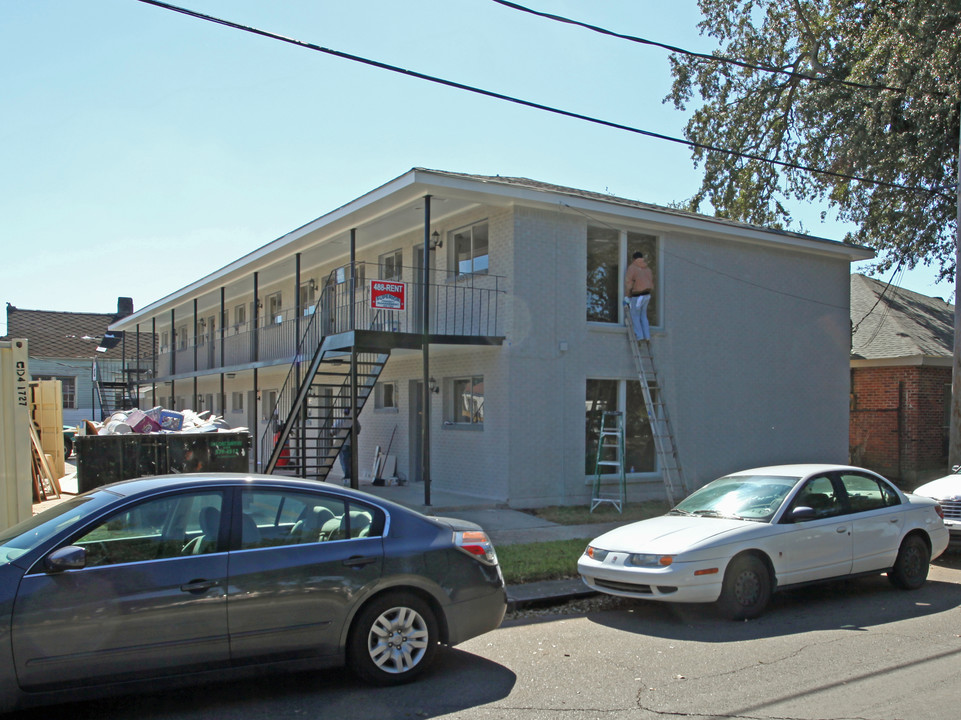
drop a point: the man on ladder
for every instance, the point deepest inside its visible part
(638, 284)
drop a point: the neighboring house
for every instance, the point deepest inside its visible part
(901, 357)
(525, 336)
(64, 346)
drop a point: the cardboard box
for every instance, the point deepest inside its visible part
(171, 420)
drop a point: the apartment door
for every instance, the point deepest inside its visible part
(416, 394)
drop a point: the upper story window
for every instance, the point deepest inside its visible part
(240, 316)
(308, 297)
(275, 314)
(391, 266)
(182, 337)
(608, 254)
(471, 249)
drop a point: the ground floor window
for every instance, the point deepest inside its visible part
(467, 401)
(619, 396)
(68, 387)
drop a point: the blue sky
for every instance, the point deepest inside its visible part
(142, 149)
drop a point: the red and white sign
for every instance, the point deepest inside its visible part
(388, 295)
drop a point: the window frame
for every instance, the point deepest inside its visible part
(454, 263)
(641, 441)
(68, 389)
(624, 243)
(452, 410)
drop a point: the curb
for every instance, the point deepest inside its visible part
(547, 592)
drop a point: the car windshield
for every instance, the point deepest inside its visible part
(745, 497)
(25, 536)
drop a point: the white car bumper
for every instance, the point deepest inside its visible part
(676, 583)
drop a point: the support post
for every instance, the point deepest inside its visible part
(425, 340)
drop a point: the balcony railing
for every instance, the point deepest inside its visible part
(458, 305)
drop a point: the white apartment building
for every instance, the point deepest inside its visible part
(524, 336)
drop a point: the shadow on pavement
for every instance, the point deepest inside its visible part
(856, 605)
(457, 681)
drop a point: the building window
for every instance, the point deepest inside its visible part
(619, 396)
(240, 317)
(471, 249)
(182, 338)
(606, 265)
(275, 314)
(164, 341)
(68, 388)
(308, 297)
(385, 396)
(466, 404)
(237, 402)
(391, 266)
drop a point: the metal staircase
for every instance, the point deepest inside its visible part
(304, 439)
(664, 445)
(308, 441)
(113, 392)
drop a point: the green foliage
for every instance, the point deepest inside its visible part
(908, 138)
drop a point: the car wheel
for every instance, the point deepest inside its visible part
(746, 589)
(67, 448)
(911, 566)
(393, 640)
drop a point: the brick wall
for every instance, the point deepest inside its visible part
(897, 419)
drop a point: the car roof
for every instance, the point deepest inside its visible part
(185, 481)
(798, 470)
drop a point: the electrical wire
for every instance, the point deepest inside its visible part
(539, 106)
(700, 56)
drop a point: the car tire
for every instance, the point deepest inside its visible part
(393, 639)
(911, 566)
(746, 590)
(67, 448)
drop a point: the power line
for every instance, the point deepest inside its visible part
(700, 56)
(532, 104)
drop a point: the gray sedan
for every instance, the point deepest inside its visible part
(206, 576)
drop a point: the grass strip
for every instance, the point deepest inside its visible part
(531, 562)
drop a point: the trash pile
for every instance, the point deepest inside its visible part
(159, 420)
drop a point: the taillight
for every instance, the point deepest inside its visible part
(477, 544)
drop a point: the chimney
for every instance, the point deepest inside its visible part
(124, 307)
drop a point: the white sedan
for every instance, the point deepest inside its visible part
(738, 539)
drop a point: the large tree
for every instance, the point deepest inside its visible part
(905, 136)
(869, 91)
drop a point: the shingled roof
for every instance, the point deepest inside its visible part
(889, 323)
(64, 335)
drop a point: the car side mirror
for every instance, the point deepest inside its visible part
(802, 513)
(71, 557)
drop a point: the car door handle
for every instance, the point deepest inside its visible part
(841, 530)
(199, 586)
(358, 561)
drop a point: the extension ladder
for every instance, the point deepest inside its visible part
(610, 460)
(664, 445)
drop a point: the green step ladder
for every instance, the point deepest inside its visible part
(610, 461)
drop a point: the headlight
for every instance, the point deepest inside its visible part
(649, 560)
(595, 553)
